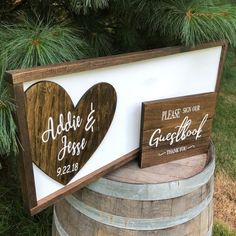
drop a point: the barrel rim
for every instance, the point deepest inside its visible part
(61, 231)
(210, 158)
(57, 225)
(161, 191)
(140, 224)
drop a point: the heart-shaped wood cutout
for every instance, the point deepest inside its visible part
(64, 137)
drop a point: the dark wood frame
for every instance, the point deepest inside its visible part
(143, 163)
(18, 77)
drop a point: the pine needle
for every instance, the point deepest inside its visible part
(8, 138)
(85, 6)
(29, 44)
(194, 22)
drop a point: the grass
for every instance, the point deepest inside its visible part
(224, 137)
(14, 221)
(224, 129)
(221, 229)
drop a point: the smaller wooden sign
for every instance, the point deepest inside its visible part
(176, 128)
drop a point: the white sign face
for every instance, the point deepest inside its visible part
(180, 74)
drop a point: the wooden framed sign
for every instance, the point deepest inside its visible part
(176, 128)
(79, 120)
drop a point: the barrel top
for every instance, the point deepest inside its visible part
(172, 171)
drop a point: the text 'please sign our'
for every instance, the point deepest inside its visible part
(176, 128)
(77, 121)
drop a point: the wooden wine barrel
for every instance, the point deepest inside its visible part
(173, 199)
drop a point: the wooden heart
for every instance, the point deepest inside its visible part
(64, 137)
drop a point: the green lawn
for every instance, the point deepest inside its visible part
(224, 130)
(220, 229)
(14, 221)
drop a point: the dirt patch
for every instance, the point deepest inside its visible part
(225, 199)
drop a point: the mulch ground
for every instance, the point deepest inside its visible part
(225, 199)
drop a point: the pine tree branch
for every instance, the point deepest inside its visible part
(86, 6)
(193, 22)
(8, 138)
(30, 43)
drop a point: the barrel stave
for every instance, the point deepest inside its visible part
(120, 205)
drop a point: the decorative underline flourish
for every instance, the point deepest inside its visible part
(188, 148)
(161, 154)
(193, 146)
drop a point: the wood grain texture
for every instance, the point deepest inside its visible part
(221, 66)
(24, 158)
(166, 172)
(20, 76)
(71, 188)
(62, 136)
(143, 209)
(199, 226)
(176, 128)
(70, 219)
